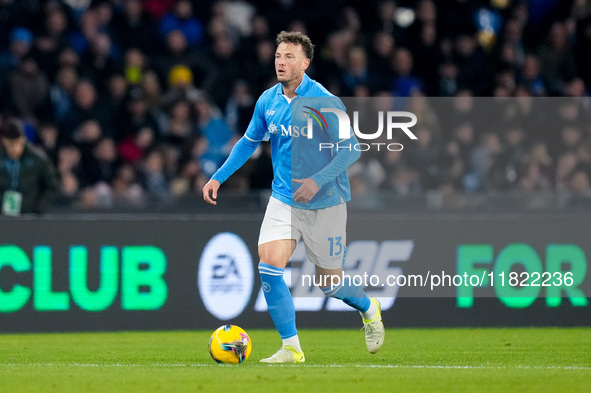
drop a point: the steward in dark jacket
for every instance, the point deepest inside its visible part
(28, 182)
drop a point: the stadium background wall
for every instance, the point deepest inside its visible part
(149, 266)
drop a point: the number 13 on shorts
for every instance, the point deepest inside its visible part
(336, 246)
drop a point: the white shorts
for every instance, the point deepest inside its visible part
(322, 230)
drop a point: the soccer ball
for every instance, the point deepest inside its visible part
(230, 344)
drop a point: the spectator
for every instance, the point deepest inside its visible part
(180, 123)
(135, 116)
(152, 175)
(474, 73)
(152, 91)
(380, 57)
(582, 48)
(53, 38)
(86, 107)
(135, 146)
(62, 90)
(405, 83)
(69, 187)
(21, 40)
(258, 71)
(177, 52)
(181, 87)
(557, 60)
(532, 179)
(482, 158)
(259, 32)
(531, 76)
(14, 14)
(386, 19)
(356, 71)
(447, 85)
(69, 161)
(28, 182)
(579, 183)
(28, 90)
(102, 165)
(564, 169)
(134, 65)
(426, 49)
(220, 138)
(117, 90)
(158, 8)
(47, 139)
(182, 19)
(97, 62)
(124, 188)
(225, 70)
(239, 108)
(136, 28)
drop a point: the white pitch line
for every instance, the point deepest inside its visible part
(401, 366)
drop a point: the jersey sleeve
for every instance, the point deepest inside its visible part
(257, 128)
(240, 153)
(341, 161)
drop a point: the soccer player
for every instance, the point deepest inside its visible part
(311, 208)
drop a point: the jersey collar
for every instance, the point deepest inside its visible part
(304, 85)
(301, 90)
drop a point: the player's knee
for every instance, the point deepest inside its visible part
(266, 256)
(274, 256)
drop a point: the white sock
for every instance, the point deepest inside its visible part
(370, 313)
(293, 341)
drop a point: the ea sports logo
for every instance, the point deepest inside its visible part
(225, 277)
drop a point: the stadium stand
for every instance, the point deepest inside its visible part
(139, 102)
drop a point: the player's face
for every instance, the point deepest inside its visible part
(14, 147)
(290, 62)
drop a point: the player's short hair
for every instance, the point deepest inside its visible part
(13, 129)
(297, 38)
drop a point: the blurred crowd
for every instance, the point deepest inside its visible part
(144, 99)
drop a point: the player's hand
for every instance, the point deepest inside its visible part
(210, 191)
(307, 190)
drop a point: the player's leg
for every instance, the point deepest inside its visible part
(341, 287)
(326, 247)
(274, 256)
(276, 244)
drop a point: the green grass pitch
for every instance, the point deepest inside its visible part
(412, 360)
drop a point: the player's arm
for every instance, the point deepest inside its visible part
(343, 159)
(345, 156)
(241, 152)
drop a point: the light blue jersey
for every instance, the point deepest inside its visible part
(294, 155)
